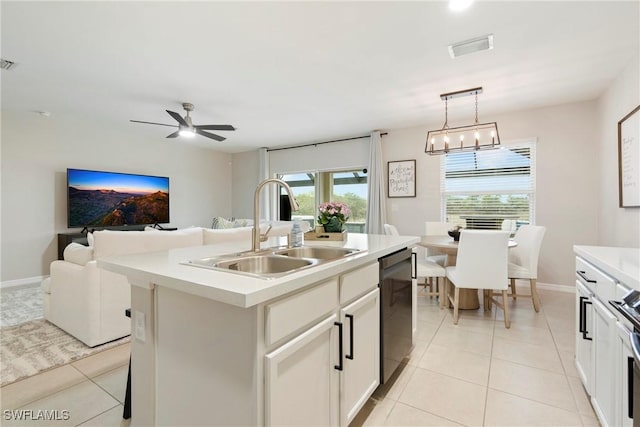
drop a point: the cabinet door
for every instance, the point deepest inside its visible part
(584, 340)
(603, 397)
(361, 344)
(301, 382)
(624, 377)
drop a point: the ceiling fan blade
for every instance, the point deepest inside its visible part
(215, 127)
(174, 135)
(178, 118)
(210, 135)
(152, 123)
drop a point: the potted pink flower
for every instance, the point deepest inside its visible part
(333, 215)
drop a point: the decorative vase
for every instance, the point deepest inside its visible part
(333, 226)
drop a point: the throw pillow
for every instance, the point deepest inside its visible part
(222, 223)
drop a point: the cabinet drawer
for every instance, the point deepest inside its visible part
(599, 283)
(358, 282)
(298, 311)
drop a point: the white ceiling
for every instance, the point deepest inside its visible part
(296, 72)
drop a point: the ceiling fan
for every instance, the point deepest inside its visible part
(187, 128)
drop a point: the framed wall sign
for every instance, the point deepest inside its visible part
(629, 159)
(401, 178)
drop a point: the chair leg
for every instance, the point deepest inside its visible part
(534, 295)
(456, 304)
(507, 321)
(444, 294)
(513, 289)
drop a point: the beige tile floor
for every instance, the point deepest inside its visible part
(475, 373)
(480, 373)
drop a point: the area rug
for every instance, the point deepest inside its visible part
(19, 304)
(37, 346)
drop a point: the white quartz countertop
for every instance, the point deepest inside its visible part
(165, 269)
(622, 264)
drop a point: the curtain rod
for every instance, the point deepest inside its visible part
(323, 142)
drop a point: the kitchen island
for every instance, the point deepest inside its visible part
(221, 348)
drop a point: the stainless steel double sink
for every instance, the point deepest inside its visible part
(273, 262)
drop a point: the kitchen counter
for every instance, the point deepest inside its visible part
(165, 269)
(204, 340)
(621, 263)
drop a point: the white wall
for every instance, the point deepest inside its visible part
(566, 196)
(617, 226)
(567, 181)
(246, 177)
(36, 152)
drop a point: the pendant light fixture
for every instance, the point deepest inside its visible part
(478, 136)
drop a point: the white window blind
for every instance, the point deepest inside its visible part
(490, 188)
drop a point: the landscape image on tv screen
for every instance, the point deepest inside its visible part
(103, 199)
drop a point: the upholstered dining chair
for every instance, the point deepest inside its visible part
(425, 269)
(523, 260)
(432, 228)
(390, 230)
(482, 263)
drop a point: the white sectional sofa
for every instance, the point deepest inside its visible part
(89, 302)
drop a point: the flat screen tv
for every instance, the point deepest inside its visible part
(110, 199)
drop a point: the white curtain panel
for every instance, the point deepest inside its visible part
(376, 209)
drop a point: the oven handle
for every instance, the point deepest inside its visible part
(630, 387)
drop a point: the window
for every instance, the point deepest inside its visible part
(490, 189)
(313, 188)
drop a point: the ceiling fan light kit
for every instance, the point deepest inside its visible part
(477, 136)
(187, 129)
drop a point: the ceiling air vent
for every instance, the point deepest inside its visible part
(470, 46)
(5, 65)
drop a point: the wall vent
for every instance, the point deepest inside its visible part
(466, 47)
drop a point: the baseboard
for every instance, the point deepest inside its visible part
(558, 288)
(20, 282)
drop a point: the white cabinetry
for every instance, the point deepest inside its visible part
(301, 383)
(602, 343)
(605, 362)
(624, 376)
(584, 337)
(361, 343)
(324, 373)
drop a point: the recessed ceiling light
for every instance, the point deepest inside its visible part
(470, 46)
(6, 64)
(459, 5)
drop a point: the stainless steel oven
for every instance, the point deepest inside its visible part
(395, 311)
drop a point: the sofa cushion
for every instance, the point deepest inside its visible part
(77, 253)
(211, 237)
(90, 239)
(108, 243)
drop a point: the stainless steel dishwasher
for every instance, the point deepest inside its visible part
(395, 311)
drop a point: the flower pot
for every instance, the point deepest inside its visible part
(333, 226)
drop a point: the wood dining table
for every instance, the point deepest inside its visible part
(447, 246)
